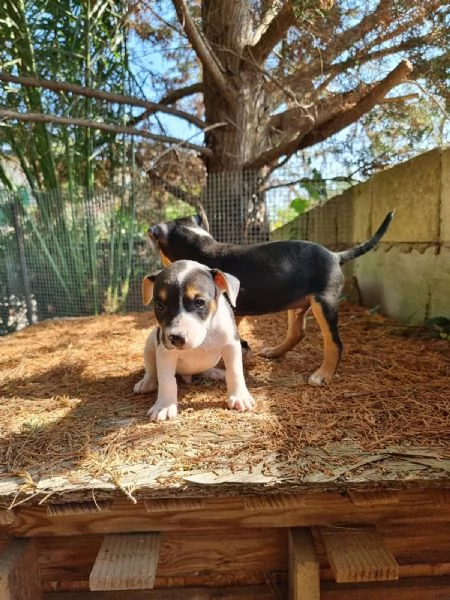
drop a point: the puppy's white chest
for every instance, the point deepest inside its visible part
(191, 362)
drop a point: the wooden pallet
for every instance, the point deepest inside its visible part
(331, 546)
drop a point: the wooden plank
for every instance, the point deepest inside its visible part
(266, 592)
(6, 517)
(440, 495)
(427, 588)
(414, 506)
(304, 573)
(358, 555)
(282, 501)
(373, 498)
(77, 508)
(176, 504)
(206, 558)
(19, 575)
(126, 562)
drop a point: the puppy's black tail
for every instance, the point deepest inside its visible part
(361, 249)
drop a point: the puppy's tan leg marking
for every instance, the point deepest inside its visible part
(295, 332)
(332, 352)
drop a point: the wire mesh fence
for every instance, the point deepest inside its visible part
(70, 253)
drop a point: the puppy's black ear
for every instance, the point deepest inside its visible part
(147, 287)
(201, 219)
(158, 231)
(226, 283)
(152, 242)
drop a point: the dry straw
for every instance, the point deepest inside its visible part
(68, 407)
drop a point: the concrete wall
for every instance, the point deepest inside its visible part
(408, 274)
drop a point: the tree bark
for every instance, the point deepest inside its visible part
(232, 200)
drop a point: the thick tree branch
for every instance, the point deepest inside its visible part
(381, 16)
(374, 97)
(365, 56)
(42, 118)
(304, 118)
(206, 56)
(175, 95)
(63, 86)
(170, 98)
(274, 32)
(267, 16)
(340, 120)
(301, 117)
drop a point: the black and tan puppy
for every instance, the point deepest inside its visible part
(285, 275)
(196, 328)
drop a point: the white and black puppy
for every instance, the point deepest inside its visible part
(196, 328)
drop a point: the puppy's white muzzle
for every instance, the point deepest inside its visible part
(187, 333)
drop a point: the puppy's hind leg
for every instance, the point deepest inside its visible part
(246, 350)
(295, 332)
(326, 315)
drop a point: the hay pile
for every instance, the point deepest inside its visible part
(67, 407)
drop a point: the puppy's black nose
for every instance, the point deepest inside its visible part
(177, 340)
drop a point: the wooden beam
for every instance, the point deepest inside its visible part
(126, 562)
(425, 588)
(19, 575)
(440, 495)
(267, 592)
(204, 558)
(304, 573)
(6, 517)
(77, 508)
(175, 504)
(358, 554)
(375, 498)
(414, 505)
(278, 501)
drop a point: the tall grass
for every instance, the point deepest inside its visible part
(85, 258)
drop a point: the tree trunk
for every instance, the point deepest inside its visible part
(233, 201)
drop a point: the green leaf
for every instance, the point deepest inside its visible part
(300, 205)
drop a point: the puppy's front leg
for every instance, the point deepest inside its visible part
(166, 405)
(149, 382)
(239, 397)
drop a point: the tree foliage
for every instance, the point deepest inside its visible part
(80, 42)
(257, 82)
(286, 76)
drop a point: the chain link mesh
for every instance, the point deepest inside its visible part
(70, 254)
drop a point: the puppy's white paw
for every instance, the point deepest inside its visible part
(241, 401)
(161, 411)
(213, 374)
(146, 384)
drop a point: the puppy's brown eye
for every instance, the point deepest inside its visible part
(199, 302)
(158, 306)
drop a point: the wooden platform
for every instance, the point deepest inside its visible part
(338, 493)
(301, 546)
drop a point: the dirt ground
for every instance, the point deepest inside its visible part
(67, 401)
